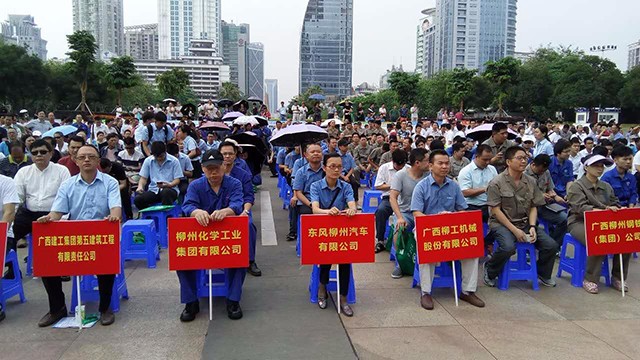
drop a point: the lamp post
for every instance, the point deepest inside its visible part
(603, 48)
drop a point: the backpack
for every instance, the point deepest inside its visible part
(166, 132)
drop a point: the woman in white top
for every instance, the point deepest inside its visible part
(414, 113)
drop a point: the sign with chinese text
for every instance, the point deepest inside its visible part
(609, 232)
(3, 241)
(221, 245)
(327, 239)
(77, 247)
(449, 237)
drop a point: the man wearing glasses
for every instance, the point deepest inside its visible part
(513, 200)
(163, 173)
(37, 186)
(90, 195)
(499, 143)
(61, 145)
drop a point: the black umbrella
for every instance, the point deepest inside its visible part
(483, 132)
(250, 138)
(300, 134)
(188, 109)
(255, 99)
(224, 102)
(262, 121)
(255, 158)
(236, 106)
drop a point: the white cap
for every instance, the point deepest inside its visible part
(528, 138)
(593, 159)
(37, 133)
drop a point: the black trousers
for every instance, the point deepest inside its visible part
(148, 198)
(295, 219)
(125, 199)
(22, 225)
(345, 277)
(383, 212)
(53, 286)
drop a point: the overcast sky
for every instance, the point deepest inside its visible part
(384, 30)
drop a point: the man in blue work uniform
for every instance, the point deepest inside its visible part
(620, 178)
(304, 177)
(348, 166)
(212, 198)
(229, 151)
(90, 195)
(561, 168)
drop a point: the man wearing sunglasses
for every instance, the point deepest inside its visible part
(37, 186)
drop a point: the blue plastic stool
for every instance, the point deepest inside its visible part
(148, 250)
(443, 276)
(366, 180)
(576, 265)
(369, 195)
(218, 283)
(314, 281)
(520, 269)
(160, 219)
(288, 194)
(12, 287)
(29, 270)
(89, 290)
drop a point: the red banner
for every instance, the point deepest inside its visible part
(327, 239)
(221, 245)
(609, 232)
(70, 248)
(3, 242)
(449, 237)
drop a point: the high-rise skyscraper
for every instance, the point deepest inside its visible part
(104, 20)
(21, 30)
(471, 32)
(326, 47)
(634, 55)
(271, 95)
(255, 70)
(235, 39)
(141, 41)
(180, 21)
(425, 45)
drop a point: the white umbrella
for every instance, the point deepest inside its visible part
(244, 120)
(326, 122)
(169, 100)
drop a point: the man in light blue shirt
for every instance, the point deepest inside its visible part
(437, 194)
(90, 195)
(474, 179)
(160, 132)
(348, 166)
(163, 173)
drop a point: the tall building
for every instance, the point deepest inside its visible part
(326, 47)
(255, 70)
(104, 20)
(22, 30)
(141, 41)
(634, 55)
(180, 21)
(235, 39)
(271, 95)
(425, 45)
(384, 79)
(468, 33)
(202, 64)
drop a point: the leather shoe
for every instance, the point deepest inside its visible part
(2, 315)
(291, 238)
(346, 310)
(234, 311)
(426, 301)
(254, 270)
(190, 311)
(107, 318)
(50, 319)
(472, 299)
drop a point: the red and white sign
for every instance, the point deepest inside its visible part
(221, 245)
(609, 232)
(327, 239)
(77, 247)
(449, 237)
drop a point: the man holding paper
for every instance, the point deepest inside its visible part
(212, 198)
(90, 195)
(438, 194)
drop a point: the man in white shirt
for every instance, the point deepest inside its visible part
(9, 199)
(575, 157)
(40, 124)
(383, 183)
(37, 186)
(97, 127)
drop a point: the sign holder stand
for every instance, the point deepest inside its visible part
(210, 297)
(621, 274)
(338, 286)
(455, 282)
(79, 306)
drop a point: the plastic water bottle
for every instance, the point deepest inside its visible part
(79, 314)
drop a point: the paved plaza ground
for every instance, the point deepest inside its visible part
(280, 323)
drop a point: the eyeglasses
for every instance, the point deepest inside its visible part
(40, 152)
(335, 167)
(520, 158)
(58, 137)
(87, 157)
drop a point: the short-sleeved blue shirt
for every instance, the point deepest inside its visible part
(167, 172)
(291, 158)
(561, 174)
(431, 198)
(322, 194)
(348, 162)
(247, 187)
(305, 177)
(83, 201)
(624, 187)
(201, 196)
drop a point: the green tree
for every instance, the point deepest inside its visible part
(22, 77)
(142, 94)
(503, 74)
(83, 51)
(121, 74)
(405, 85)
(173, 83)
(629, 93)
(230, 91)
(460, 86)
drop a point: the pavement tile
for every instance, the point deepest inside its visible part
(139, 348)
(41, 350)
(552, 340)
(378, 276)
(619, 334)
